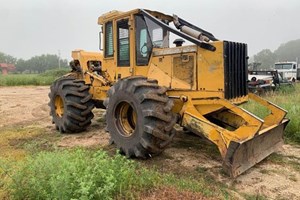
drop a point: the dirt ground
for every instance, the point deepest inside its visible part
(277, 177)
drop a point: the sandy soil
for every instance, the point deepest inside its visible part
(23, 104)
(275, 180)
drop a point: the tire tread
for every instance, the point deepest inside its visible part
(156, 111)
(78, 105)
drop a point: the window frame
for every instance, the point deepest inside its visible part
(140, 60)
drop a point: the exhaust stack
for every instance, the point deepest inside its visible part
(190, 31)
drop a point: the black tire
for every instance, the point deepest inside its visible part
(75, 113)
(145, 127)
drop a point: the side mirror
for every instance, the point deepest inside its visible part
(100, 36)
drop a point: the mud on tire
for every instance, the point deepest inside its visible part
(70, 105)
(139, 117)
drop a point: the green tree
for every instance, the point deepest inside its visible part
(4, 58)
(266, 57)
(41, 63)
(21, 65)
(289, 51)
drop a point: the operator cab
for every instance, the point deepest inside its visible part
(132, 38)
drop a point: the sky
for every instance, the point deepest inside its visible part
(34, 27)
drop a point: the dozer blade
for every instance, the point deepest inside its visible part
(242, 156)
(242, 138)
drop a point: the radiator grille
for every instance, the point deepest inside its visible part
(235, 69)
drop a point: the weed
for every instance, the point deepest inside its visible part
(264, 171)
(276, 158)
(93, 174)
(187, 183)
(12, 138)
(288, 160)
(43, 142)
(286, 89)
(201, 170)
(76, 174)
(293, 178)
(205, 185)
(255, 197)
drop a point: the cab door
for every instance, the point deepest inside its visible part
(123, 47)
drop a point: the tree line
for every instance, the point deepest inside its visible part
(36, 64)
(289, 51)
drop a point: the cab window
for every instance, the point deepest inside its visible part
(143, 42)
(123, 43)
(109, 46)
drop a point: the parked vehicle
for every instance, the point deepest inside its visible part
(288, 70)
(266, 80)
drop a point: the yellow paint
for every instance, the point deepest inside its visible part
(99, 92)
(211, 68)
(154, 72)
(59, 106)
(247, 124)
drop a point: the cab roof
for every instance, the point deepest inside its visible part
(115, 14)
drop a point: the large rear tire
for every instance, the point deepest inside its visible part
(139, 117)
(70, 105)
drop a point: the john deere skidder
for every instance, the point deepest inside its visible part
(147, 87)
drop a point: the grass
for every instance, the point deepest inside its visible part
(201, 183)
(265, 171)
(291, 161)
(12, 138)
(31, 168)
(288, 98)
(31, 79)
(87, 174)
(75, 174)
(11, 143)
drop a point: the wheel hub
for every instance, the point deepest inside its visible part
(125, 118)
(59, 106)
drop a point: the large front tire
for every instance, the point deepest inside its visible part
(139, 117)
(70, 105)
